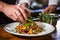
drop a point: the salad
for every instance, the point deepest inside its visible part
(29, 27)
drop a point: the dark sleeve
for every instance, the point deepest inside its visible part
(4, 19)
(9, 1)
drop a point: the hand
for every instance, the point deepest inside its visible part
(49, 9)
(16, 12)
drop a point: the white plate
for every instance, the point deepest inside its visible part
(11, 27)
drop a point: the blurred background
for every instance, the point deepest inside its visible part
(38, 6)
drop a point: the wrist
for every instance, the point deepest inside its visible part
(53, 5)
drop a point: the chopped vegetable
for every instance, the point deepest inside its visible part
(29, 27)
(21, 30)
(30, 31)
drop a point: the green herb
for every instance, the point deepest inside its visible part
(30, 19)
(27, 24)
(45, 18)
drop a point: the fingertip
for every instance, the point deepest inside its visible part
(26, 18)
(23, 21)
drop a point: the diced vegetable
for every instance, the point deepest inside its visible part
(21, 31)
(28, 28)
(24, 28)
(30, 31)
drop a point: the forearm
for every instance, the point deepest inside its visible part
(53, 2)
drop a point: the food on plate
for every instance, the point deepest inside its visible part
(30, 27)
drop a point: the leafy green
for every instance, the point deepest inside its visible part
(45, 18)
(30, 19)
(27, 24)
